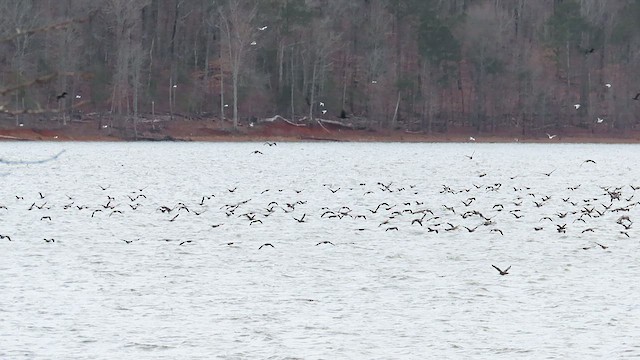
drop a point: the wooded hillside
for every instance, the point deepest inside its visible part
(419, 65)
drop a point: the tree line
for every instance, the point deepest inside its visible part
(418, 65)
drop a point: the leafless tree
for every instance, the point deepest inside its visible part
(238, 31)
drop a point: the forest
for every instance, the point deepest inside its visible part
(416, 65)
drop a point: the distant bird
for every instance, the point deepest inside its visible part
(325, 242)
(549, 173)
(600, 120)
(321, 104)
(589, 51)
(257, 152)
(253, 43)
(50, 240)
(263, 28)
(577, 106)
(602, 246)
(324, 112)
(551, 136)
(184, 242)
(608, 85)
(471, 156)
(5, 237)
(502, 272)
(61, 96)
(471, 138)
(637, 97)
(587, 161)
(265, 244)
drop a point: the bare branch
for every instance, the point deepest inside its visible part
(39, 81)
(58, 26)
(38, 111)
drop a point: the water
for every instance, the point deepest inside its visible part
(120, 285)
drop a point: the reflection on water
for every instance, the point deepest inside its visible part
(379, 251)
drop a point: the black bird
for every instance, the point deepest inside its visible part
(50, 240)
(549, 173)
(184, 242)
(46, 218)
(257, 152)
(265, 244)
(5, 237)
(301, 220)
(61, 96)
(502, 272)
(325, 242)
(637, 97)
(602, 246)
(589, 51)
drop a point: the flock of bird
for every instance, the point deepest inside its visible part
(589, 215)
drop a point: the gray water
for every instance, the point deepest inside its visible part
(131, 283)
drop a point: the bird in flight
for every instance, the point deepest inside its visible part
(502, 272)
(608, 85)
(551, 136)
(637, 97)
(263, 28)
(577, 106)
(600, 120)
(61, 96)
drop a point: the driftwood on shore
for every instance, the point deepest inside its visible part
(278, 117)
(320, 122)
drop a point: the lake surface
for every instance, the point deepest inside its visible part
(132, 282)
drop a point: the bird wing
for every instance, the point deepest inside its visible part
(507, 269)
(497, 268)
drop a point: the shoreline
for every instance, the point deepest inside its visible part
(216, 131)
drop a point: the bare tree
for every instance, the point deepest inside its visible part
(238, 31)
(129, 55)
